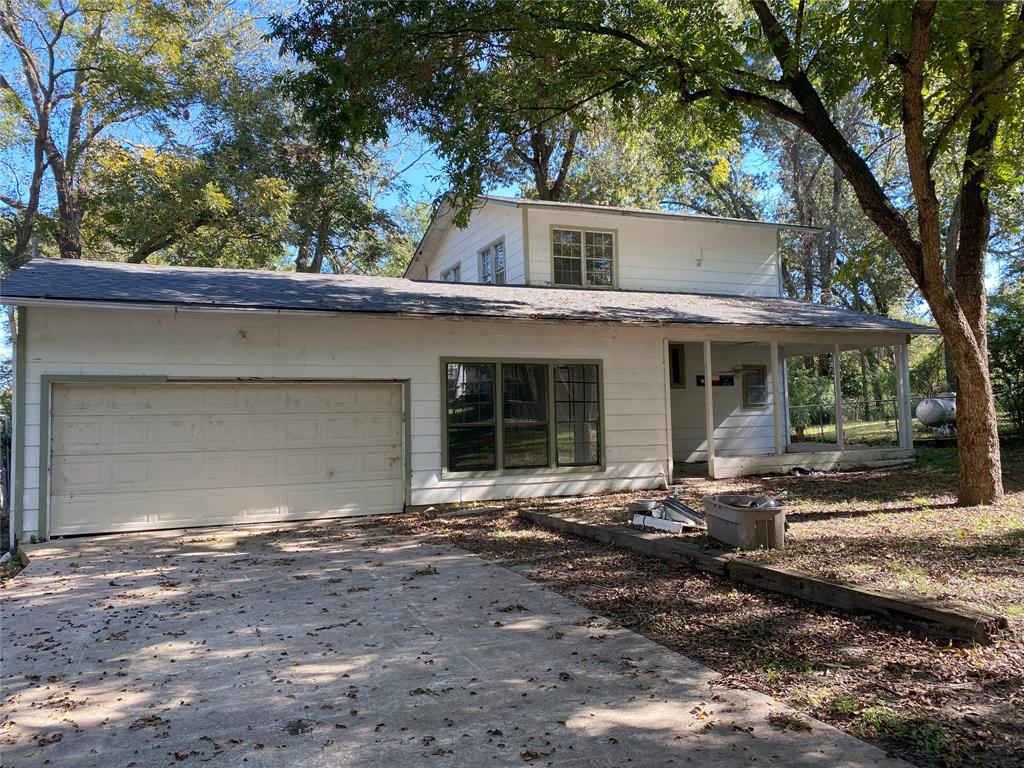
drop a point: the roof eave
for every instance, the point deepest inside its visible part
(640, 213)
(30, 301)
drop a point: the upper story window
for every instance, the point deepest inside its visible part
(492, 263)
(583, 257)
(453, 274)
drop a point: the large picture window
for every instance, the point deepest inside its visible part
(521, 415)
(583, 257)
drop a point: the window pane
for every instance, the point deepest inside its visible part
(470, 393)
(577, 444)
(568, 272)
(499, 263)
(577, 415)
(567, 250)
(525, 411)
(526, 446)
(471, 416)
(600, 251)
(471, 448)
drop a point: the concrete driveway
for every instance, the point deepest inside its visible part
(338, 645)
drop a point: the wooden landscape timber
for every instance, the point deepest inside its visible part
(937, 618)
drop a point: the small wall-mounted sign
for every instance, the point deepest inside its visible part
(723, 380)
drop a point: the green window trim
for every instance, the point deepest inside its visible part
(748, 404)
(488, 263)
(586, 280)
(552, 467)
(677, 365)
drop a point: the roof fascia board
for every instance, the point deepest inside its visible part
(433, 235)
(612, 211)
(677, 326)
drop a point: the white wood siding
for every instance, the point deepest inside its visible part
(489, 222)
(673, 255)
(738, 432)
(215, 345)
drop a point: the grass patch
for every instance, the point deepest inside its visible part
(884, 722)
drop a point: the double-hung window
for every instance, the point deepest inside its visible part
(521, 415)
(492, 263)
(754, 379)
(453, 274)
(583, 257)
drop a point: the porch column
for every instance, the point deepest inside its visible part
(837, 384)
(778, 395)
(904, 415)
(709, 409)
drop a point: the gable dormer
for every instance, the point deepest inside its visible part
(515, 241)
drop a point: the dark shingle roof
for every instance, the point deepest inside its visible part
(93, 281)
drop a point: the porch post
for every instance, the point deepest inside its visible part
(778, 395)
(709, 409)
(904, 415)
(837, 384)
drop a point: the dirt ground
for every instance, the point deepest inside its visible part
(930, 703)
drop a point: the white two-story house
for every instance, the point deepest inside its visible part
(545, 349)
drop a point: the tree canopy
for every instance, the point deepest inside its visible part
(156, 132)
(943, 76)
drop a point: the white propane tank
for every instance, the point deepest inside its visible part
(938, 410)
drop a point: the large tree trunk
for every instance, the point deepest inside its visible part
(976, 425)
(69, 232)
(69, 205)
(830, 244)
(959, 309)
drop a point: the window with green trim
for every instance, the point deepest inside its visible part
(524, 405)
(583, 257)
(521, 415)
(754, 380)
(472, 429)
(577, 415)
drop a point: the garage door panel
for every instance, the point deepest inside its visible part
(228, 398)
(121, 435)
(168, 509)
(116, 473)
(112, 470)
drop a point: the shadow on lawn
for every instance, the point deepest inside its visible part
(865, 512)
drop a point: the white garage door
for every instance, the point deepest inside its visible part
(130, 457)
